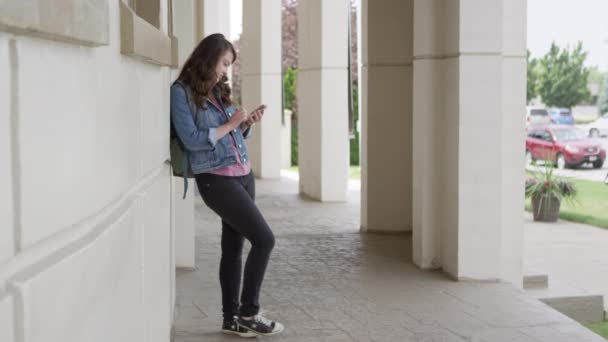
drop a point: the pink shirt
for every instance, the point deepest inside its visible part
(234, 170)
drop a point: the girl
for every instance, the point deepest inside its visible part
(212, 131)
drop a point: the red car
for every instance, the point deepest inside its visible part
(566, 146)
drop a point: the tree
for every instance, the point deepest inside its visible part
(236, 73)
(596, 80)
(562, 77)
(602, 101)
(290, 34)
(532, 78)
(289, 88)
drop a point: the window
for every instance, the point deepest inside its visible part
(546, 136)
(539, 112)
(570, 135)
(141, 35)
(130, 3)
(148, 10)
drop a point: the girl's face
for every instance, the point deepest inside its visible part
(221, 69)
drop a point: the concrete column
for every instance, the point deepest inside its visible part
(261, 75)
(386, 96)
(469, 91)
(322, 99)
(213, 16)
(183, 221)
(435, 111)
(184, 28)
(514, 78)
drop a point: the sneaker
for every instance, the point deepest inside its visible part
(233, 327)
(261, 325)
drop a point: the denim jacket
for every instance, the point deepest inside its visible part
(198, 132)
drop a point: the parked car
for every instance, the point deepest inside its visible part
(537, 116)
(597, 128)
(564, 145)
(561, 116)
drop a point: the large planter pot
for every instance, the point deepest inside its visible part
(545, 208)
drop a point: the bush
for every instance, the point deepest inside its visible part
(354, 142)
(289, 88)
(294, 141)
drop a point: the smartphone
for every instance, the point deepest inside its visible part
(261, 107)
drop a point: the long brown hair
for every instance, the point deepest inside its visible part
(199, 70)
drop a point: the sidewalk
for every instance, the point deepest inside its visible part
(328, 282)
(572, 254)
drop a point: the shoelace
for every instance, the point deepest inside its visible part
(263, 320)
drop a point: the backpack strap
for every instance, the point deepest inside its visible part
(186, 161)
(192, 105)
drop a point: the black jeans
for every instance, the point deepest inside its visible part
(232, 198)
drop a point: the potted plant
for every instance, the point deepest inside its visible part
(547, 191)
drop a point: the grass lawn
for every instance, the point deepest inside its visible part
(600, 328)
(355, 171)
(591, 207)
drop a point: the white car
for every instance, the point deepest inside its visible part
(537, 116)
(597, 128)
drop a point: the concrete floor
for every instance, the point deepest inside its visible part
(327, 282)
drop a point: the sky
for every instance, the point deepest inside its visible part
(563, 21)
(566, 22)
(236, 20)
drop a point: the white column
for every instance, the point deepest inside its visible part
(322, 99)
(261, 75)
(435, 106)
(183, 221)
(514, 78)
(386, 95)
(213, 17)
(469, 93)
(184, 28)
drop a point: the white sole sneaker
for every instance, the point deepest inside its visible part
(247, 334)
(277, 330)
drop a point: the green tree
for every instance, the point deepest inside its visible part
(289, 88)
(562, 77)
(532, 78)
(290, 79)
(354, 141)
(596, 81)
(602, 101)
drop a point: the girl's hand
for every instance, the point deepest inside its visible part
(256, 115)
(239, 117)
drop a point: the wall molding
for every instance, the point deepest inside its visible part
(50, 251)
(72, 21)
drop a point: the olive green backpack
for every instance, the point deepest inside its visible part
(180, 163)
